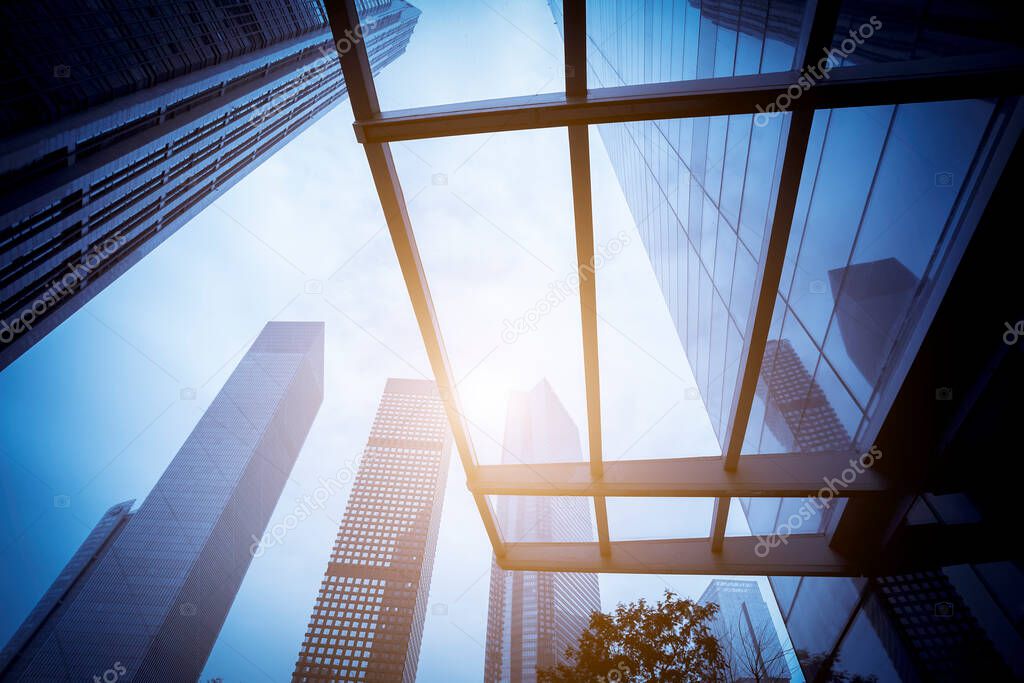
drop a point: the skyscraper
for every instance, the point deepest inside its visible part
(122, 122)
(163, 579)
(38, 625)
(888, 201)
(745, 629)
(367, 623)
(532, 617)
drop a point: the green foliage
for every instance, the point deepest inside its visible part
(670, 642)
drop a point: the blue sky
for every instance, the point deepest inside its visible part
(95, 411)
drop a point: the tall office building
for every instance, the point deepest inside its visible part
(47, 613)
(744, 627)
(532, 617)
(122, 121)
(889, 199)
(149, 593)
(367, 623)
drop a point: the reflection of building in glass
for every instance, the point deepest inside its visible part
(798, 411)
(163, 578)
(367, 623)
(532, 617)
(928, 629)
(873, 295)
(889, 197)
(108, 148)
(745, 629)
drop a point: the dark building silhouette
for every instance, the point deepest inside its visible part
(871, 299)
(367, 623)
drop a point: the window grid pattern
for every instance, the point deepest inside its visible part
(120, 185)
(367, 622)
(122, 48)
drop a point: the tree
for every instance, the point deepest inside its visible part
(670, 642)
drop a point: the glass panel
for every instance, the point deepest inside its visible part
(690, 185)
(560, 519)
(819, 613)
(881, 289)
(863, 655)
(786, 516)
(631, 519)
(785, 588)
(495, 235)
(873, 223)
(879, 209)
(918, 29)
(463, 50)
(651, 406)
(631, 43)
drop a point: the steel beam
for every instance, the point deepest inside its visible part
(579, 162)
(767, 286)
(804, 555)
(927, 80)
(761, 476)
(355, 67)
(575, 26)
(918, 547)
(819, 26)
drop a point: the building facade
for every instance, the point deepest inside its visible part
(367, 622)
(121, 123)
(533, 617)
(150, 592)
(38, 625)
(888, 202)
(745, 629)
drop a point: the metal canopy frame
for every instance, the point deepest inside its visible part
(779, 475)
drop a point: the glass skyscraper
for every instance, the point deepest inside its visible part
(532, 617)
(889, 199)
(40, 622)
(367, 623)
(149, 591)
(744, 626)
(121, 122)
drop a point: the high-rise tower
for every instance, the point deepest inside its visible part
(744, 627)
(38, 625)
(532, 617)
(161, 583)
(367, 623)
(120, 123)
